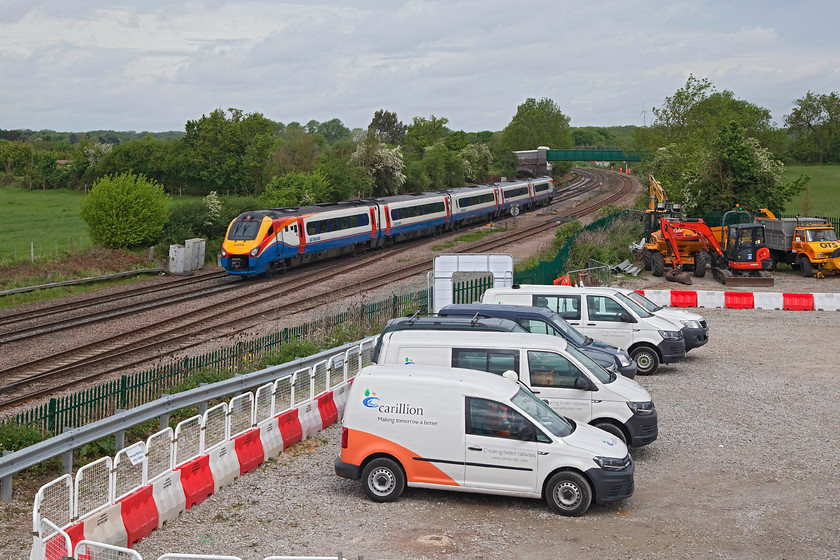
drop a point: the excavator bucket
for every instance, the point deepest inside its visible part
(676, 275)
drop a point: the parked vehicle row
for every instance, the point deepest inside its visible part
(549, 413)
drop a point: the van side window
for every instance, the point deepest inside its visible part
(603, 308)
(494, 361)
(548, 369)
(567, 306)
(494, 419)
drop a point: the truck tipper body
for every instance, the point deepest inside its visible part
(808, 243)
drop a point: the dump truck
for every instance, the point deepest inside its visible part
(809, 244)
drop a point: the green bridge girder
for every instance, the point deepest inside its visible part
(594, 155)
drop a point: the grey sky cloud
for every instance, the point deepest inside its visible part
(154, 65)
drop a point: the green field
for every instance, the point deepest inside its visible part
(47, 219)
(822, 198)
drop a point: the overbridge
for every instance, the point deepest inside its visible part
(536, 162)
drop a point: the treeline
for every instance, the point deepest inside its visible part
(246, 154)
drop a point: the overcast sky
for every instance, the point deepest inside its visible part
(153, 64)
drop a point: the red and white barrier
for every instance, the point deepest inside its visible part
(106, 526)
(310, 419)
(340, 397)
(249, 450)
(139, 514)
(271, 438)
(196, 480)
(223, 464)
(290, 427)
(327, 410)
(744, 300)
(169, 496)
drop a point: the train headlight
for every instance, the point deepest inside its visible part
(254, 251)
(224, 253)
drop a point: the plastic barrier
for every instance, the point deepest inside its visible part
(196, 480)
(270, 438)
(340, 397)
(139, 514)
(738, 300)
(659, 297)
(767, 300)
(290, 428)
(249, 450)
(710, 299)
(799, 302)
(327, 410)
(683, 298)
(56, 547)
(106, 526)
(223, 464)
(310, 419)
(169, 496)
(827, 302)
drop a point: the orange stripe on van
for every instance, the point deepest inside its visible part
(361, 445)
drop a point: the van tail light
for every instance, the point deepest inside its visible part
(344, 434)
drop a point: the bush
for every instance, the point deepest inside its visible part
(125, 211)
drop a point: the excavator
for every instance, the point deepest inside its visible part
(741, 258)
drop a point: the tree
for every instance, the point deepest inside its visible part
(387, 128)
(345, 178)
(124, 211)
(333, 130)
(814, 124)
(735, 169)
(477, 158)
(537, 123)
(384, 165)
(296, 151)
(296, 189)
(422, 133)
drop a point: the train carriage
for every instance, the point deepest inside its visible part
(543, 188)
(474, 204)
(515, 193)
(414, 215)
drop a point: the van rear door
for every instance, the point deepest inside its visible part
(496, 458)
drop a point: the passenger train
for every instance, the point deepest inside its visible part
(275, 240)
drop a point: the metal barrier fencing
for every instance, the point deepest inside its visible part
(85, 550)
(67, 505)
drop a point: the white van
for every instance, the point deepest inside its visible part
(695, 328)
(564, 377)
(607, 315)
(468, 431)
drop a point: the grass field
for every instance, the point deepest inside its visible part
(822, 198)
(46, 218)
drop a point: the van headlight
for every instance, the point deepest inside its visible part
(692, 324)
(671, 335)
(644, 407)
(254, 251)
(623, 360)
(613, 463)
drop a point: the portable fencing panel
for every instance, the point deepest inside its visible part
(54, 501)
(264, 403)
(51, 543)
(216, 428)
(130, 469)
(241, 414)
(170, 556)
(290, 427)
(271, 438)
(139, 514)
(169, 496)
(319, 376)
(283, 394)
(93, 489)
(366, 349)
(310, 419)
(196, 480)
(188, 440)
(352, 362)
(160, 454)
(335, 371)
(327, 410)
(89, 550)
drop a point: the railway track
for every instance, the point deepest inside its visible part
(298, 291)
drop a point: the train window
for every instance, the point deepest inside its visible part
(344, 223)
(244, 230)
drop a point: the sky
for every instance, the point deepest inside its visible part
(152, 65)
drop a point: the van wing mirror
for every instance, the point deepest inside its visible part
(584, 384)
(627, 318)
(527, 432)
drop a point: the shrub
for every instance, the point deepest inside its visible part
(125, 211)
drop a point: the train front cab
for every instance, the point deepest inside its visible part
(241, 249)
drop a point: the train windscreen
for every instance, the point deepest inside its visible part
(244, 230)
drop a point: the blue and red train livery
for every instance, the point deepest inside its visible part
(275, 240)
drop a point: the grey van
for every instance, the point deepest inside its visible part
(544, 321)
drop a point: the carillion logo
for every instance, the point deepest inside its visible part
(370, 400)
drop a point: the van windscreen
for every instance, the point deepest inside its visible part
(542, 413)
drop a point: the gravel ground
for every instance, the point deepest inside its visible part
(744, 468)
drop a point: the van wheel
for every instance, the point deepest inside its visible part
(568, 493)
(647, 360)
(383, 480)
(612, 429)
